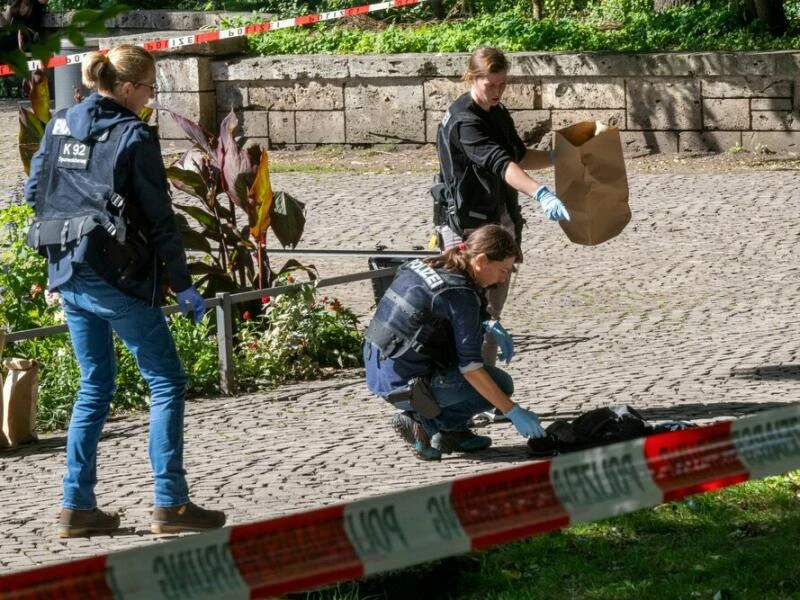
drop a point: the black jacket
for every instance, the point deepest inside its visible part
(475, 148)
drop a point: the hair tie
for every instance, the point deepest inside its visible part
(462, 246)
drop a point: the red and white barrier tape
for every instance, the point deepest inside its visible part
(202, 37)
(347, 541)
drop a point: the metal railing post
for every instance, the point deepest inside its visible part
(227, 379)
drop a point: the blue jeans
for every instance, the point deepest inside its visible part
(93, 309)
(459, 400)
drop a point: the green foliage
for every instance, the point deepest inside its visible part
(296, 337)
(197, 347)
(84, 21)
(706, 25)
(25, 304)
(23, 277)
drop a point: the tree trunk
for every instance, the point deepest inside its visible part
(770, 12)
(661, 5)
(537, 9)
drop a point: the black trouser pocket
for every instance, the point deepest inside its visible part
(422, 399)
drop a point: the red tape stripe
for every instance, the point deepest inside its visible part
(78, 580)
(499, 507)
(694, 461)
(295, 552)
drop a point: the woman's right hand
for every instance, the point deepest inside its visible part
(526, 422)
(551, 204)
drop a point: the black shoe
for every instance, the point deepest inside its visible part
(80, 523)
(187, 517)
(460, 441)
(413, 433)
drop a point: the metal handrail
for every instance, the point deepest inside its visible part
(223, 302)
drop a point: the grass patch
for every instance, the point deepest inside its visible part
(738, 543)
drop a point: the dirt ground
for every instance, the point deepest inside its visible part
(419, 160)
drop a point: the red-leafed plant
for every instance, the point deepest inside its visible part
(237, 208)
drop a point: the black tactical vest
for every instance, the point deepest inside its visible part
(404, 321)
(76, 199)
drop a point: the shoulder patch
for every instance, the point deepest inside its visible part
(60, 127)
(431, 278)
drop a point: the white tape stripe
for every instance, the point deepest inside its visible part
(768, 443)
(282, 24)
(177, 42)
(405, 529)
(604, 482)
(331, 15)
(230, 33)
(197, 566)
(380, 6)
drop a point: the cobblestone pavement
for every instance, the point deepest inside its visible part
(689, 314)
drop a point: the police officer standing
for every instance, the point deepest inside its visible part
(104, 220)
(482, 163)
(422, 349)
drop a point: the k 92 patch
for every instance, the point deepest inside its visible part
(73, 154)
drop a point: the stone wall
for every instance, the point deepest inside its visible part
(682, 102)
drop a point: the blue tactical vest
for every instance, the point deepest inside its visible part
(76, 198)
(404, 320)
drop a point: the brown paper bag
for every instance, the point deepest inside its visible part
(591, 181)
(20, 393)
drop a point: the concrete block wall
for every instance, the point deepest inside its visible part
(682, 102)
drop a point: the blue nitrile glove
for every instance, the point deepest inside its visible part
(553, 208)
(526, 422)
(190, 299)
(503, 339)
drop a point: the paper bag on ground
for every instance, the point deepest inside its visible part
(20, 393)
(591, 181)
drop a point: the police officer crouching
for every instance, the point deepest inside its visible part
(423, 347)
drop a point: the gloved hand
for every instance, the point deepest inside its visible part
(552, 206)
(526, 422)
(503, 339)
(190, 299)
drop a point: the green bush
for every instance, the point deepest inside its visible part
(706, 25)
(24, 304)
(23, 276)
(295, 338)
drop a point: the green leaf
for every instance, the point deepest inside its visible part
(288, 219)
(196, 241)
(188, 181)
(205, 219)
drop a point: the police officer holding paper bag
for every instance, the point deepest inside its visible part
(483, 164)
(422, 349)
(104, 220)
